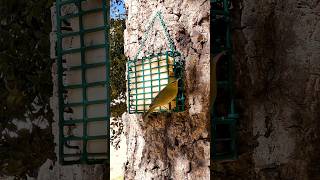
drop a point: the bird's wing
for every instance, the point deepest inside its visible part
(157, 101)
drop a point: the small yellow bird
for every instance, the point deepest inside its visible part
(213, 78)
(165, 96)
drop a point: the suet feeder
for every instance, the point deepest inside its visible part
(223, 114)
(148, 75)
(82, 52)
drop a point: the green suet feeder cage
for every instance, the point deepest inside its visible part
(223, 114)
(83, 81)
(148, 75)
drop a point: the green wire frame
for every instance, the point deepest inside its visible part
(134, 100)
(148, 93)
(84, 157)
(223, 144)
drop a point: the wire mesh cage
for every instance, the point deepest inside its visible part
(223, 114)
(83, 80)
(148, 76)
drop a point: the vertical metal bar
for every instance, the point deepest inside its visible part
(84, 157)
(129, 89)
(233, 139)
(168, 74)
(176, 75)
(136, 85)
(151, 77)
(158, 60)
(230, 63)
(143, 85)
(225, 7)
(60, 82)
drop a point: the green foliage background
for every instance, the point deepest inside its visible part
(25, 81)
(24, 57)
(118, 67)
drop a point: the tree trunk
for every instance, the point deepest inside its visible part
(277, 55)
(172, 145)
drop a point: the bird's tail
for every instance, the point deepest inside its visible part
(148, 112)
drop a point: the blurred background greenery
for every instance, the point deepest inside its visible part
(26, 83)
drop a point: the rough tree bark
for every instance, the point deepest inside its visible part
(277, 54)
(176, 145)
